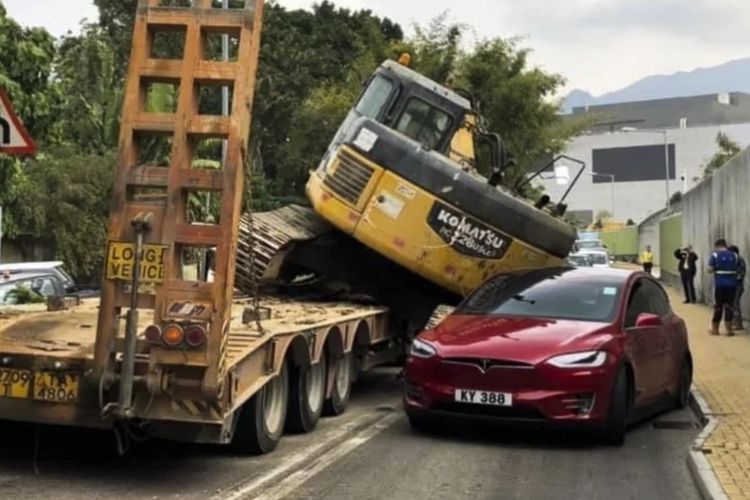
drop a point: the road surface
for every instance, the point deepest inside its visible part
(369, 453)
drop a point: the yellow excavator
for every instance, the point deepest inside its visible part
(401, 178)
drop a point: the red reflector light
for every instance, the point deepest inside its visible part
(153, 334)
(195, 336)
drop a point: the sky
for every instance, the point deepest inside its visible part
(597, 45)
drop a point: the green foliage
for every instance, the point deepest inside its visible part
(22, 295)
(676, 198)
(630, 223)
(87, 74)
(603, 215)
(728, 149)
(63, 200)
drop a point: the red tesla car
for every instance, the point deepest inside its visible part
(591, 347)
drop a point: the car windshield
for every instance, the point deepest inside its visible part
(579, 261)
(589, 244)
(599, 258)
(546, 294)
(375, 98)
(424, 123)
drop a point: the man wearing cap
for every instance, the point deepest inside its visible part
(724, 265)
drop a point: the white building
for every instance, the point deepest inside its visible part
(633, 141)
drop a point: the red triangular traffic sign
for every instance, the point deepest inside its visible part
(14, 139)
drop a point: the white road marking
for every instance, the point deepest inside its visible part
(291, 483)
(297, 459)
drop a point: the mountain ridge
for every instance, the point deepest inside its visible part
(732, 76)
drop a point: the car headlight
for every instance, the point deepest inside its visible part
(421, 349)
(589, 359)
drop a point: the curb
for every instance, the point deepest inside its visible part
(703, 474)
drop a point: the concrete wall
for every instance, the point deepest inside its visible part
(622, 244)
(670, 239)
(648, 234)
(719, 208)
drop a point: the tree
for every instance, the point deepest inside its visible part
(603, 215)
(88, 77)
(728, 149)
(63, 201)
(26, 67)
(675, 199)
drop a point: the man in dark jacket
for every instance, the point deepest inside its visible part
(687, 264)
(741, 271)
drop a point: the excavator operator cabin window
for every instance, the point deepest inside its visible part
(374, 100)
(424, 123)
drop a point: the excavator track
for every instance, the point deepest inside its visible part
(272, 236)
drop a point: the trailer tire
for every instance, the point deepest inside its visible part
(341, 385)
(261, 420)
(307, 396)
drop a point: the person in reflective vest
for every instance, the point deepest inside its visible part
(647, 259)
(724, 265)
(741, 271)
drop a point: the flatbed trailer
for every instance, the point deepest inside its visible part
(165, 353)
(298, 336)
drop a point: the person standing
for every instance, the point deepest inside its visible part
(724, 265)
(647, 259)
(741, 271)
(688, 269)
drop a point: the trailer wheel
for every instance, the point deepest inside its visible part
(261, 421)
(307, 395)
(342, 385)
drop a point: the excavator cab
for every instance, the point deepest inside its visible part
(402, 176)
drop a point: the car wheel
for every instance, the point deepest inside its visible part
(260, 424)
(682, 397)
(423, 424)
(342, 385)
(308, 392)
(619, 406)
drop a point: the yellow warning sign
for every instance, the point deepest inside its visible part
(121, 262)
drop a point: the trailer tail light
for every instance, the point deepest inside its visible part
(153, 334)
(173, 335)
(195, 336)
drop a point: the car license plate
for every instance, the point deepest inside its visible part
(56, 387)
(14, 383)
(471, 396)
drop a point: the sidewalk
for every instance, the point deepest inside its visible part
(722, 375)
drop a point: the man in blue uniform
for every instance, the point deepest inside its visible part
(724, 265)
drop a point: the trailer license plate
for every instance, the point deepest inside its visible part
(471, 396)
(14, 383)
(56, 387)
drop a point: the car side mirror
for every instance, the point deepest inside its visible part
(646, 320)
